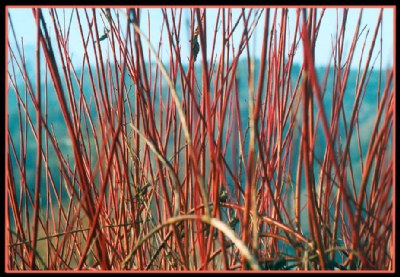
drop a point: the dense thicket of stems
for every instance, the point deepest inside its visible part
(151, 165)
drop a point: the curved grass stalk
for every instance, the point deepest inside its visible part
(181, 113)
(167, 165)
(216, 223)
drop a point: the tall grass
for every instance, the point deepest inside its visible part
(165, 168)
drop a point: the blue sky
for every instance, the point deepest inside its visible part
(25, 27)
